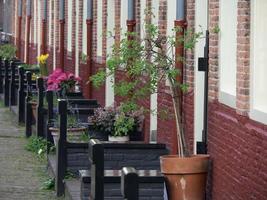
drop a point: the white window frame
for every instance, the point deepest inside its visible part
(258, 112)
(226, 95)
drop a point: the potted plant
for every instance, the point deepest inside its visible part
(113, 124)
(42, 59)
(76, 131)
(62, 82)
(8, 51)
(146, 63)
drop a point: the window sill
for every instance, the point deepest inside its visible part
(227, 99)
(258, 115)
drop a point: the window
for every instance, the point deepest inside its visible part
(258, 61)
(227, 52)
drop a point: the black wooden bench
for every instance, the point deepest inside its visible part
(30, 92)
(9, 66)
(105, 184)
(68, 153)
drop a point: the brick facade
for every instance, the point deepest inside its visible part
(236, 143)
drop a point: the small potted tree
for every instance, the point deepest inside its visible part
(146, 63)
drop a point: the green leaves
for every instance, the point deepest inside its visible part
(123, 124)
(98, 79)
(8, 51)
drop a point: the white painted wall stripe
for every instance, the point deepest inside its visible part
(84, 39)
(54, 45)
(99, 27)
(142, 17)
(39, 21)
(50, 24)
(77, 59)
(69, 33)
(154, 97)
(258, 68)
(200, 25)
(35, 22)
(227, 51)
(124, 16)
(109, 97)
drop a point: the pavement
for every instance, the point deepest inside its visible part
(21, 173)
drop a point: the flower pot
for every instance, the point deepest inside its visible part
(73, 134)
(118, 138)
(34, 110)
(185, 178)
(96, 134)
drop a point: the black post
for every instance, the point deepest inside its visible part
(1, 75)
(12, 85)
(21, 96)
(129, 183)
(6, 84)
(96, 156)
(61, 163)
(49, 137)
(40, 107)
(49, 99)
(28, 107)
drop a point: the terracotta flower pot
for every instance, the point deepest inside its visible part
(118, 138)
(73, 134)
(34, 109)
(185, 178)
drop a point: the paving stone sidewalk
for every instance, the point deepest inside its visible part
(21, 173)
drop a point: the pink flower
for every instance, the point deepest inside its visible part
(59, 79)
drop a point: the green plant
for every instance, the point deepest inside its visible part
(146, 63)
(216, 29)
(48, 184)
(69, 175)
(123, 125)
(37, 145)
(42, 59)
(83, 57)
(8, 51)
(85, 137)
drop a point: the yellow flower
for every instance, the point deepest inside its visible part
(34, 76)
(42, 58)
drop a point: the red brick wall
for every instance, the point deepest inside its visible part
(238, 148)
(237, 144)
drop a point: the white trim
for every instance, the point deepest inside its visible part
(69, 31)
(77, 59)
(258, 92)
(200, 25)
(35, 22)
(84, 37)
(227, 51)
(124, 17)
(55, 27)
(227, 99)
(39, 28)
(109, 90)
(99, 28)
(258, 115)
(142, 17)
(154, 97)
(50, 24)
